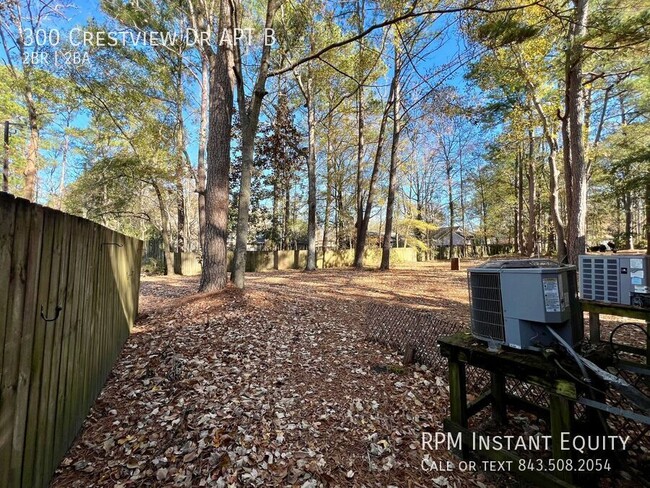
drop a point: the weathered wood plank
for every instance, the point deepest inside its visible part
(561, 415)
(136, 262)
(116, 272)
(73, 363)
(13, 331)
(29, 316)
(67, 347)
(615, 309)
(47, 269)
(52, 457)
(458, 392)
(102, 315)
(53, 304)
(90, 324)
(77, 412)
(594, 328)
(8, 219)
(51, 373)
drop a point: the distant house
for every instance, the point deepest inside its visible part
(441, 237)
(331, 239)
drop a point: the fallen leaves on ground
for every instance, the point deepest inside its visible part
(271, 386)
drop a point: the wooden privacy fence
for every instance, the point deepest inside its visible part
(68, 299)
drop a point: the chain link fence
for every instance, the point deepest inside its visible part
(404, 328)
(407, 329)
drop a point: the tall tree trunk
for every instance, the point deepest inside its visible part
(554, 197)
(164, 231)
(24, 81)
(311, 176)
(328, 189)
(577, 210)
(516, 211)
(392, 173)
(64, 164)
(339, 215)
(555, 202)
(180, 211)
(247, 155)
(274, 215)
(287, 211)
(215, 257)
(31, 166)
(360, 146)
(203, 138)
(461, 183)
(180, 154)
(362, 228)
(626, 197)
(647, 215)
(360, 135)
(483, 206)
(5, 161)
(250, 114)
(531, 234)
(627, 209)
(520, 201)
(450, 204)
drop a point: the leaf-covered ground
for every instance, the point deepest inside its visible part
(272, 386)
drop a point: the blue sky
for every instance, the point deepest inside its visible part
(82, 12)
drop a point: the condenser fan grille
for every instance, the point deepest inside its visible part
(487, 309)
(599, 279)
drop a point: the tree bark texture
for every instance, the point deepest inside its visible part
(577, 209)
(531, 234)
(392, 173)
(164, 231)
(362, 227)
(203, 139)
(250, 114)
(311, 177)
(328, 189)
(215, 257)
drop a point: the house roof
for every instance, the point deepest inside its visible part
(443, 231)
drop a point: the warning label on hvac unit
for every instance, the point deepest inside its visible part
(551, 295)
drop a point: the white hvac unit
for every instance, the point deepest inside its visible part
(618, 279)
(512, 303)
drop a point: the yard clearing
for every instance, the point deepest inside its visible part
(275, 385)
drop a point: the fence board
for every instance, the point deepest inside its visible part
(26, 342)
(51, 372)
(48, 353)
(38, 356)
(72, 352)
(46, 465)
(67, 345)
(8, 218)
(76, 365)
(87, 327)
(11, 344)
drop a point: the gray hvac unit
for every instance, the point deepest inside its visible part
(617, 278)
(512, 303)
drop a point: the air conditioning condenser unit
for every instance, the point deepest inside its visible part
(620, 279)
(513, 301)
